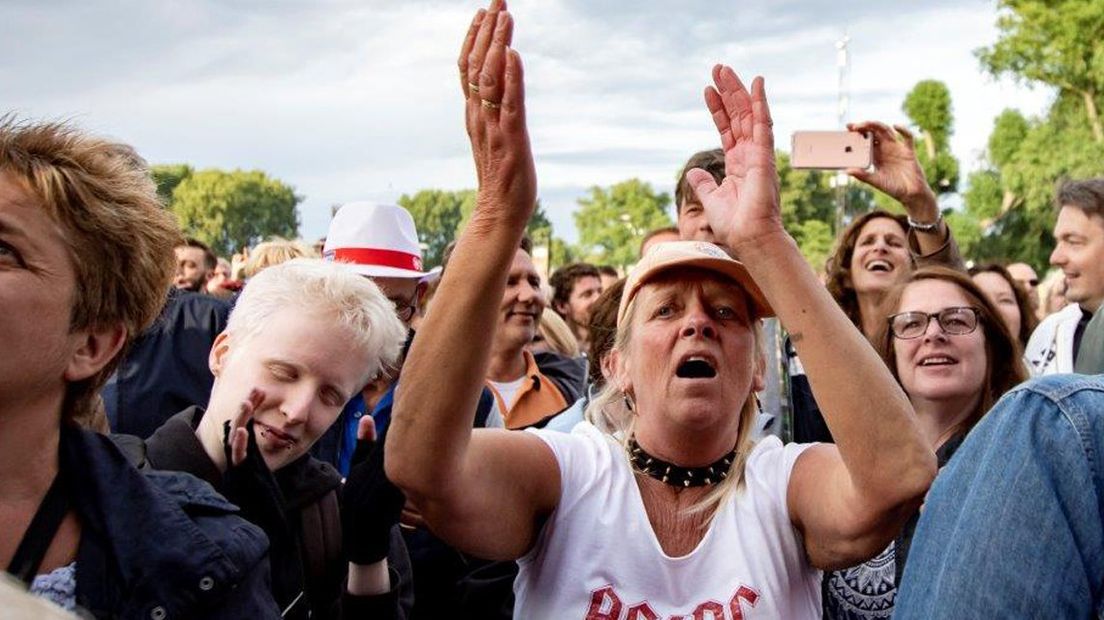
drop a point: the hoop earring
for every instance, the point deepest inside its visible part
(629, 404)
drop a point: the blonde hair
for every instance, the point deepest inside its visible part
(273, 252)
(557, 334)
(312, 285)
(119, 237)
(609, 412)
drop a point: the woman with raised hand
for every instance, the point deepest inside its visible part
(952, 352)
(875, 251)
(678, 511)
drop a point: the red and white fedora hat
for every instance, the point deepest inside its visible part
(378, 240)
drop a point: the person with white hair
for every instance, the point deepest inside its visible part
(304, 337)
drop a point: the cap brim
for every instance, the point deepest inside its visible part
(731, 268)
(377, 271)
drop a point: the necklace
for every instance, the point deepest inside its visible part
(675, 475)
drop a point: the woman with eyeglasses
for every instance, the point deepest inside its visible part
(948, 347)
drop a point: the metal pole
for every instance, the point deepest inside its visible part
(843, 63)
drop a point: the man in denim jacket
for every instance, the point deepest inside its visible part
(1014, 527)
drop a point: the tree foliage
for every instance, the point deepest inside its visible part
(1053, 42)
(167, 177)
(1012, 198)
(441, 215)
(1009, 130)
(612, 221)
(437, 215)
(808, 203)
(928, 106)
(232, 210)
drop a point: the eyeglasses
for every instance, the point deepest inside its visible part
(404, 308)
(954, 321)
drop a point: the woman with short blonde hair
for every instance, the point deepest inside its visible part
(601, 525)
(275, 251)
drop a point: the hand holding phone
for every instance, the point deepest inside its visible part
(831, 150)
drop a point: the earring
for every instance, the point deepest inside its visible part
(629, 404)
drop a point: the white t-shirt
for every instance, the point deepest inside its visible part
(597, 556)
(1050, 348)
(507, 393)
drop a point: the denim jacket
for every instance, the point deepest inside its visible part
(159, 545)
(1014, 526)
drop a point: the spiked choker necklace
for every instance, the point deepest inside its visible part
(675, 475)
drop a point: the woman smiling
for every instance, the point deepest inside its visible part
(951, 351)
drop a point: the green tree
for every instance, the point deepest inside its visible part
(437, 215)
(167, 177)
(1009, 130)
(815, 239)
(539, 228)
(808, 209)
(928, 106)
(1012, 198)
(1056, 43)
(233, 210)
(612, 221)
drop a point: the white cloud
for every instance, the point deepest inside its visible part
(348, 100)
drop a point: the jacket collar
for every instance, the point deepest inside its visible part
(175, 447)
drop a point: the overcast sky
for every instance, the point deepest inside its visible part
(359, 100)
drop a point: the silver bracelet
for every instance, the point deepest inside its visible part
(930, 227)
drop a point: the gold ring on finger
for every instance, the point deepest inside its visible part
(474, 88)
(490, 105)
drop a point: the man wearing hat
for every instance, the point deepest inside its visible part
(381, 243)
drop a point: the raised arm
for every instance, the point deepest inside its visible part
(897, 172)
(487, 491)
(848, 500)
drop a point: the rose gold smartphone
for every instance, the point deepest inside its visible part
(831, 150)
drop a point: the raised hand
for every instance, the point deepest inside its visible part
(250, 484)
(896, 171)
(370, 504)
(492, 81)
(744, 207)
(237, 431)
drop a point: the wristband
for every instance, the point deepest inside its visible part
(922, 227)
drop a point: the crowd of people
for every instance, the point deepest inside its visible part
(335, 431)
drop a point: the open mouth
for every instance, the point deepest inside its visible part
(879, 266)
(938, 360)
(696, 368)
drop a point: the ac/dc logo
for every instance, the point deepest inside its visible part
(606, 605)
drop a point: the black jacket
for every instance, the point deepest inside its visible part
(308, 489)
(159, 544)
(568, 374)
(165, 370)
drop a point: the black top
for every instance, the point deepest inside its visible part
(165, 370)
(1079, 333)
(311, 534)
